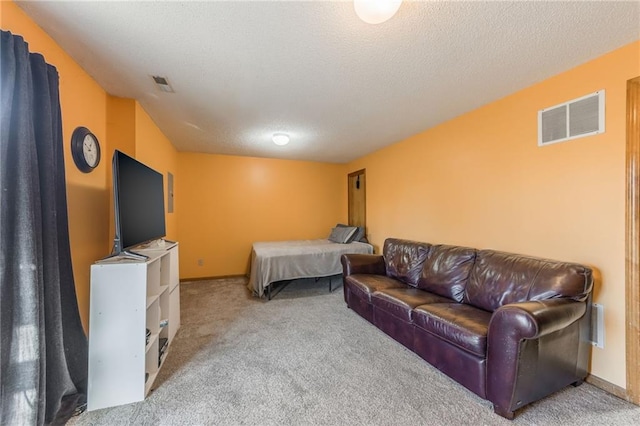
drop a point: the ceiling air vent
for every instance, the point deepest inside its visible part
(574, 119)
(162, 83)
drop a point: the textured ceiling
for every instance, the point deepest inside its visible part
(341, 88)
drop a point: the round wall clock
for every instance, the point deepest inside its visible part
(85, 149)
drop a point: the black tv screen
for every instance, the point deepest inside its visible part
(138, 201)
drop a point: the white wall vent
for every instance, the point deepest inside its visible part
(597, 325)
(570, 120)
(162, 83)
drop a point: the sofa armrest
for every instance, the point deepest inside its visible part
(372, 264)
(531, 320)
(533, 349)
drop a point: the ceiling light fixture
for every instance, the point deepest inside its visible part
(376, 11)
(280, 138)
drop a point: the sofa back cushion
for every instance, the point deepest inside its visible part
(499, 278)
(446, 271)
(404, 259)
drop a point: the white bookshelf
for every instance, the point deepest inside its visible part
(127, 298)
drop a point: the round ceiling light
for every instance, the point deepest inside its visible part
(280, 138)
(376, 11)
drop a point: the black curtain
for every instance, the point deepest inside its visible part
(43, 348)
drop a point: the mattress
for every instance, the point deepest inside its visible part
(288, 260)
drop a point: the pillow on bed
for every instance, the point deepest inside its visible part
(342, 234)
(357, 236)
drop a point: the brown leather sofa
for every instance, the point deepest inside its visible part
(510, 328)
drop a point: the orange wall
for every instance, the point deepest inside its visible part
(481, 180)
(226, 203)
(118, 123)
(121, 125)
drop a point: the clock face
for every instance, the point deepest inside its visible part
(85, 149)
(90, 150)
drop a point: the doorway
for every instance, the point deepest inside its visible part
(632, 261)
(358, 199)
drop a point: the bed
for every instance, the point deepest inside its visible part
(288, 260)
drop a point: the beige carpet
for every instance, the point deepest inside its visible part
(304, 358)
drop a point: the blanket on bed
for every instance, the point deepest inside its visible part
(288, 260)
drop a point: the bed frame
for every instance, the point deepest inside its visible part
(289, 260)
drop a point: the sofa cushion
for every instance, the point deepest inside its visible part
(461, 325)
(499, 278)
(363, 285)
(446, 271)
(404, 259)
(400, 302)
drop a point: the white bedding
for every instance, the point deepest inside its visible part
(288, 260)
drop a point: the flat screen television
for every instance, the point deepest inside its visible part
(138, 198)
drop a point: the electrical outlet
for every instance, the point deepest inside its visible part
(200, 262)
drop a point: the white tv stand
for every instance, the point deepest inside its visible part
(128, 297)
